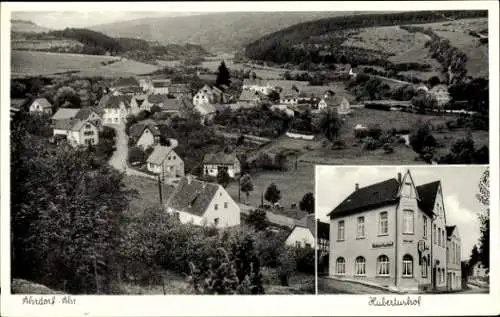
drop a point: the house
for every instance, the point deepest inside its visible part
(124, 83)
(203, 203)
(180, 91)
(133, 90)
(259, 85)
(213, 163)
(250, 98)
(41, 105)
(208, 95)
(145, 135)
(115, 109)
(440, 92)
(340, 103)
(290, 98)
(206, 111)
(146, 85)
(76, 131)
(85, 114)
(453, 259)
(165, 162)
(392, 233)
(160, 86)
(303, 233)
(479, 270)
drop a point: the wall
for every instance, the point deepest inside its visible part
(212, 169)
(439, 253)
(228, 216)
(302, 235)
(352, 247)
(173, 165)
(299, 136)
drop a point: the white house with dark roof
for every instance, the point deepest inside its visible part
(303, 233)
(41, 105)
(213, 163)
(203, 203)
(392, 233)
(259, 85)
(340, 103)
(76, 131)
(145, 134)
(161, 86)
(115, 109)
(165, 162)
(78, 113)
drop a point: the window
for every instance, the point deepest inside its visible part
(216, 206)
(407, 266)
(443, 240)
(424, 267)
(225, 205)
(341, 230)
(340, 266)
(216, 221)
(383, 227)
(439, 236)
(297, 244)
(434, 238)
(425, 226)
(383, 265)
(360, 266)
(360, 232)
(408, 221)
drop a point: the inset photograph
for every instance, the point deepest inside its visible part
(408, 229)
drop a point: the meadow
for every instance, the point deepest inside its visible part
(31, 63)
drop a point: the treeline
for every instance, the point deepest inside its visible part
(97, 43)
(451, 58)
(283, 46)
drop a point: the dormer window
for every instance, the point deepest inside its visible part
(407, 190)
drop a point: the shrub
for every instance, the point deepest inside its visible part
(371, 144)
(338, 145)
(257, 219)
(287, 265)
(422, 137)
(360, 133)
(304, 258)
(136, 154)
(388, 148)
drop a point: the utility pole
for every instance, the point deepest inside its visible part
(239, 189)
(159, 191)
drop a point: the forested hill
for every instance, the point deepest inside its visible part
(292, 43)
(97, 43)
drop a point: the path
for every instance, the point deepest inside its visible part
(119, 158)
(330, 286)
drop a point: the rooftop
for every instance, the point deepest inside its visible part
(193, 196)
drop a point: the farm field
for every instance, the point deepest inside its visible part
(31, 63)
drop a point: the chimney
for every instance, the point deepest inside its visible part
(399, 178)
(356, 186)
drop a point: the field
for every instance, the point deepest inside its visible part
(457, 32)
(30, 63)
(148, 194)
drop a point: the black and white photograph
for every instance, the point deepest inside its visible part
(404, 229)
(230, 148)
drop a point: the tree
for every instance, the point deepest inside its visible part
(280, 161)
(424, 102)
(136, 155)
(258, 219)
(474, 256)
(421, 137)
(246, 184)
(273, 194)
(484, 198)
(223, 177)
(330, 124)
(307, 203)
(68, 94)
(274, 96)
(223, 76)
(433, 81)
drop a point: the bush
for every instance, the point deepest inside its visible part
(440, 127)
(287, 265)
(304, 258)
(422, 137)
(360, 133)
(371, 144)
(136, 154)
(388, 148)
(338, 145)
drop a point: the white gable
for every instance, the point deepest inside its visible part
(408, 188)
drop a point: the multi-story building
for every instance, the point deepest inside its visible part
(453, 259)
(392, 233)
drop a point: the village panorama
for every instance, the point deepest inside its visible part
(176, 155)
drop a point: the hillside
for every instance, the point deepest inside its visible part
(368, 39)
(26, 26)
(227, 31)
(85, 41)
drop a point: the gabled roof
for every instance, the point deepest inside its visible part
(427, 194)
(126, 82)
(193, 196)
(138, 129)
(308, 222)
(157, 99)
(64, 124)
(84, 113)
(44, 103)
(178, 88)
(248, 95)
(369, 197)
(78, 124)
(161, 83)
(65, 113)
(172, 105)
(220, 158)
(130, 90)
(207, 108)
(113, 102)
(159, 154)
(323, 230)
(449, 230)
(334, 101)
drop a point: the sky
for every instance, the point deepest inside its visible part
(64, 19)
(459, 185)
